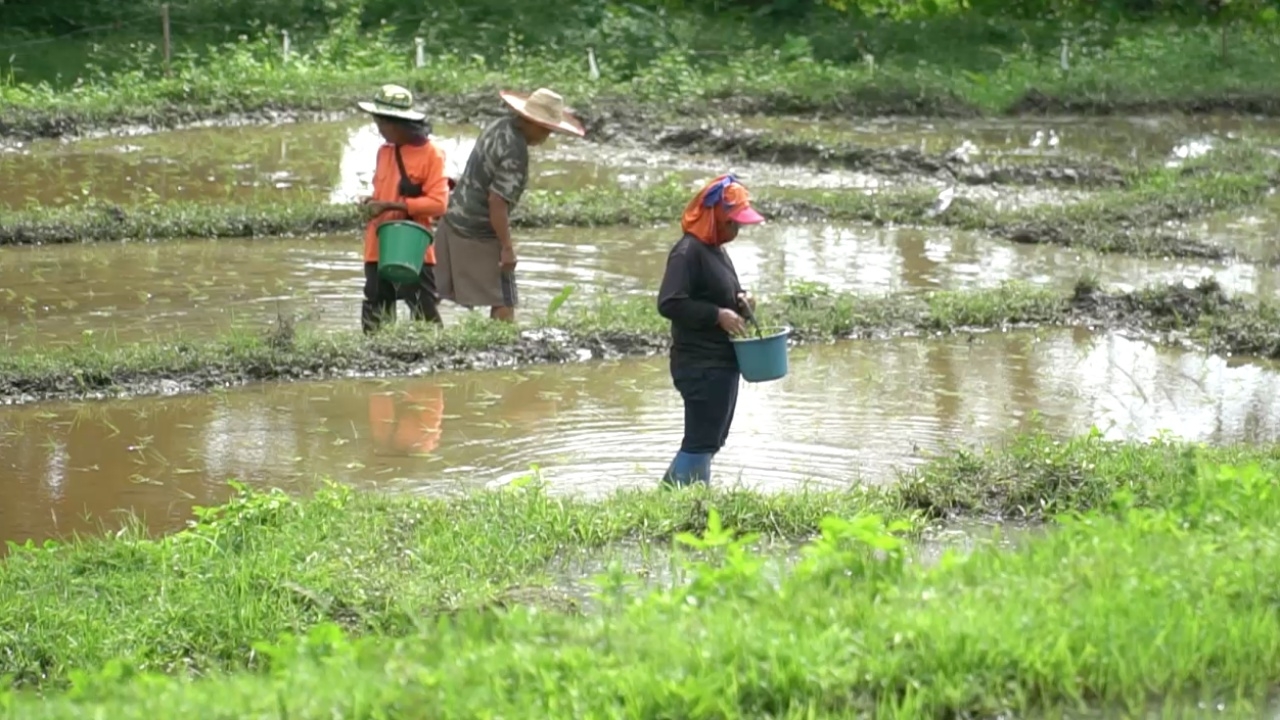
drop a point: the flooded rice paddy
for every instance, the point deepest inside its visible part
(333, 159)
(199, 288)
(325, 160)
(850, 412)
(259, 163)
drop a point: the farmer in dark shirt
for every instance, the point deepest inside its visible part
(702, 298)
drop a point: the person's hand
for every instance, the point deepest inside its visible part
(746, 302)
(377, 207)
(507, 259)
(731, 322)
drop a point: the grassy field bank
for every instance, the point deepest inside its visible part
(1132, 220)
(609, 327)
(373, 607)
(944, 66)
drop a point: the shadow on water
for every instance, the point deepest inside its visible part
(848, 413)
(198, 288)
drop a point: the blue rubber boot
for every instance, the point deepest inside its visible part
(688, 468)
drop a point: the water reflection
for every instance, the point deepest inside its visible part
(334, 159)
(200, 288)
(1251, 230)
(407, 422)
(850, 412)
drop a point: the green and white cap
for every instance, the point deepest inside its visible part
(392, 101)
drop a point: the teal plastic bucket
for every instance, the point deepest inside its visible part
(761, 359)
(402, 248)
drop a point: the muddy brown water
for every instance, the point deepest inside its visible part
(1253, 231)
(258, 163)
(65, 294)
(327, 160)
(334, 158)
(847, 413)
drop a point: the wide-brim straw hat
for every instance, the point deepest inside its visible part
(393, 101)
(546, 108)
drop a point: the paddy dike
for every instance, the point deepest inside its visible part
(766, 147)
(1202, 316)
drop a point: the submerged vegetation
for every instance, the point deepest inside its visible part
(604, 326)
(1153, 584)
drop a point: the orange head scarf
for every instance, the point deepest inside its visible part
(708, 214)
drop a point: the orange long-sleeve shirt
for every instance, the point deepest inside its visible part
(424, 164)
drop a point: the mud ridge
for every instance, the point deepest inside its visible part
(1201, 316)
(112, 223)
(761, 146)
(1139, 242)
(1036, 102)
(535, 347)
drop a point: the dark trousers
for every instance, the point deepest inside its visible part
(710, 397)
(380, 298)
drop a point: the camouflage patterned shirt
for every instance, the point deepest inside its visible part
(499, 162)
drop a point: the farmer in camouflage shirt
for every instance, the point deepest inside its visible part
(475, 257)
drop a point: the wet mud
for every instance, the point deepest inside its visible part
(1128, 240)
(1198, 315)
(1192, 315)
(283, 361)
(881, 102)
(765, 147)
(1039, 103)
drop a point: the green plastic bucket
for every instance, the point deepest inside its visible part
(402, 246)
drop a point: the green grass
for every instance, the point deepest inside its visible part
(992, 69)
(607, 325)
(366, 606)
(1130, 220)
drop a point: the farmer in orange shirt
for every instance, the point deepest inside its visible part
(408, 184)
